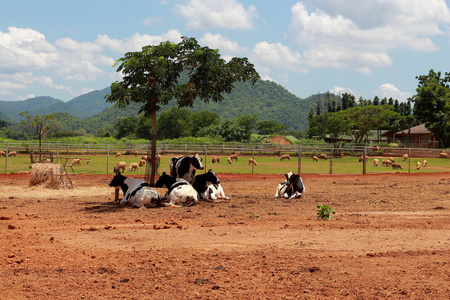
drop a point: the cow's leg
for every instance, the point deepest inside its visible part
(277, 193)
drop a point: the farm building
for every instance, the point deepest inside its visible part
(415, 137)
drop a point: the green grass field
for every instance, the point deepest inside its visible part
(101, 164)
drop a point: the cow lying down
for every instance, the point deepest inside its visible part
(136, 192)
(291, 188)
(215, 191)
(180, 192)
(208, 186)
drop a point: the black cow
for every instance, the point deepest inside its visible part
(179, 193)
(185, 166)
(136, 192)
(291, 188)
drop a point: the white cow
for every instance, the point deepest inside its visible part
(215, 191)
(136, 192)
(292, 187)
(180, 193)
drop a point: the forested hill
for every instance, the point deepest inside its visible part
(266, 99)
(83, 106)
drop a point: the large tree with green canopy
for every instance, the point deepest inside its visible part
(151, 77)
(364, 118)
(432, 104)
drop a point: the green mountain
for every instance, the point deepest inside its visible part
(266, 99)
(39, 104)
(91, 103)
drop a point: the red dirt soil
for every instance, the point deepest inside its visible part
(390, 238)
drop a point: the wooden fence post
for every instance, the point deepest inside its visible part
(206, 157)
(6, 158)
(253, 157)
(107, 158)
(299, 165)
(409, 160)
(331, 161)
(364, 159)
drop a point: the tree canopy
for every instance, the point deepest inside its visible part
(432, 104)
(151, 77)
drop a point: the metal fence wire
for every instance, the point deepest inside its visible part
(302, 158)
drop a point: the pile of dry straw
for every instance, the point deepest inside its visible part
(46, 173)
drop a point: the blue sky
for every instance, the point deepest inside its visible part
(368, 48)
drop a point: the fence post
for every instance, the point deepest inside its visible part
(253, 157)
(206, 157)
(107, 158)
(6, 158)
(409, 160)
(299, 166)
(331, 160)
(364, 159)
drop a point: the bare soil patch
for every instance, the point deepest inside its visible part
(279, 140)
(390, 238)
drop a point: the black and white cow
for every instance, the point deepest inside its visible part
(215, 191)
(203, 182)
(179, 193)
(292, 187)
(185, 166)
(136, 192)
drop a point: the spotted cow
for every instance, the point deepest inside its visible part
(184, 167)
(136, 192)
(203, 182)
(291, 188)
(180, 192)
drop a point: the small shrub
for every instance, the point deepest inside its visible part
(256, 216)
(324, 212)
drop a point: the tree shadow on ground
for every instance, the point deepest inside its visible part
(107, 207)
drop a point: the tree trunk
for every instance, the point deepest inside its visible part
(153, 172)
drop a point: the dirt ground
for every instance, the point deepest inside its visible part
(390, 238)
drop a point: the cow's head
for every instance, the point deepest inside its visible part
(118, 180)
(197, 162)
(289, 177)
(211, 177)
(164, 181)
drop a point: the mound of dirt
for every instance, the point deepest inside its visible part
(279, 140)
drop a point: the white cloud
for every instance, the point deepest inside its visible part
(339, 90)
(137, 41)
(218, 41)
(25, 49)
(358, 34)
(204, 14)
(388, 90)
(71, 45)
(276, 55)
(47, 81)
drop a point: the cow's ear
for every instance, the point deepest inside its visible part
(163, 173)
(210, 170)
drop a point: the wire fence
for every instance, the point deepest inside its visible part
(269, 158)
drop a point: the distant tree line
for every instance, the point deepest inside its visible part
(333, 116)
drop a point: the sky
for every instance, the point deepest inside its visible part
(367, 48)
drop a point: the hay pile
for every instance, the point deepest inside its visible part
(46, 173)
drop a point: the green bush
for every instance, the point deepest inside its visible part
(324, 212)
